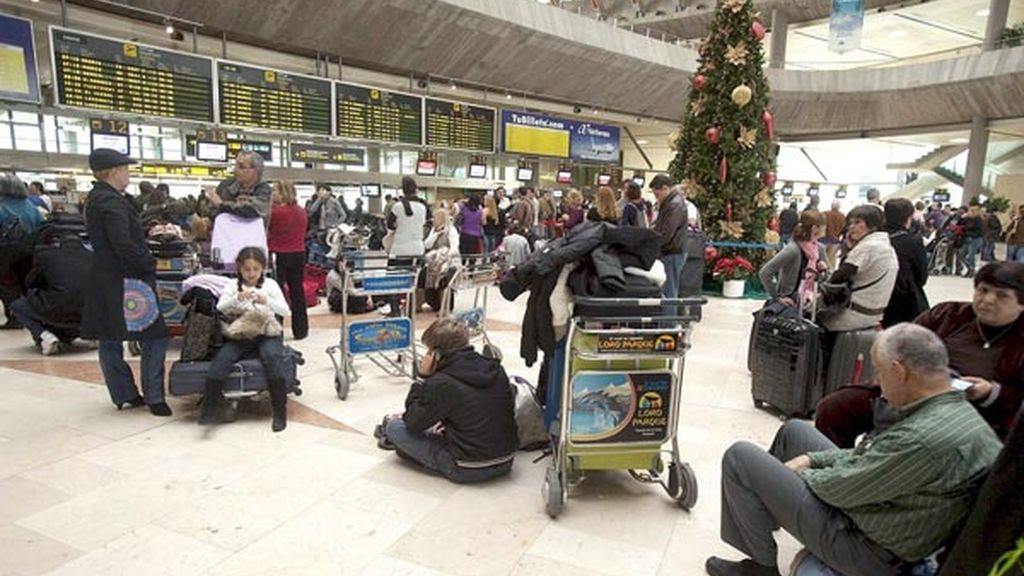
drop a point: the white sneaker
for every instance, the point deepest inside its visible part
(385, 309)
(49, 344)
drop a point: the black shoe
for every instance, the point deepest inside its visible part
(378, 430)
(716, 566)
(133, 403)
(160, 409)
(280, 421)
(384, 444)
(226, 413)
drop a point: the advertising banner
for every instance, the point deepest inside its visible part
(539, 135)
(19, 79)
(845, 25)
(379, 335)
(616, 407)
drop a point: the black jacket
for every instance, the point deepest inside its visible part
(672, 224)
(788, 221)
(908, 299)
(471, 396)
(55, 283)
(120, 252)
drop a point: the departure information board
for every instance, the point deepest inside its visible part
(380, 115)
(459, 126)
(120, 76)
(274, 100)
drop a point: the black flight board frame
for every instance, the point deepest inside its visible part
(459, 126)
(366, 113)
(253, 97)
(99, 73)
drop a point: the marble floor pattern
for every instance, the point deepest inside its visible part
(85, 489)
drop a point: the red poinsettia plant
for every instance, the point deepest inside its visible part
(732, 268)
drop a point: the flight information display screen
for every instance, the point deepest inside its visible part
(120, 76)
(274, 100)
(380, 115)
(459, 126)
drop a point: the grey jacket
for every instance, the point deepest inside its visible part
(780, 276)
(333, 213)
(252, 204)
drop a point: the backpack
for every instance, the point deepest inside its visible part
(529, 416)
(12, 231)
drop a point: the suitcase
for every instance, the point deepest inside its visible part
(247, 376)
(786, 365)
(770, 308)
(843, 367)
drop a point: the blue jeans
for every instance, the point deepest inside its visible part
(118, 375)
(1015, 252)
(969, 252)
(430, 452)
(673, 271)
(32, 322)
(270, 350)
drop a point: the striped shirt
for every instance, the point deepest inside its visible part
(908, 487)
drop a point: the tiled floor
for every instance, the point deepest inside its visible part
(85, 489)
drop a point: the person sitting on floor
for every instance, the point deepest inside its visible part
(51, 310)
(985, 342)
(868, 511)
(459, 421)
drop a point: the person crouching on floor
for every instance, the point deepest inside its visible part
(251, 305)
(459, 421)
(871, 510)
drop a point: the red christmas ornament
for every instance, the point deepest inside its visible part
(769, 124)
(712, 135)
(769, 179)
(728, 210)
(699, 82)
(757, 29)
(723, 169)
(710, 253)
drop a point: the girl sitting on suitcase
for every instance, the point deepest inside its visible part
(251, 304)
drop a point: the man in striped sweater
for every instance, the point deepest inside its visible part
(871, 510)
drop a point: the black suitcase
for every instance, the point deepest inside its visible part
(842, 365)
(189, 378)
(786, 365)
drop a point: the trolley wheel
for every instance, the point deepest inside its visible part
(341, 384)
(554, 497)
(759, 404)
(682, 484)
(492, 351)
(134, 348)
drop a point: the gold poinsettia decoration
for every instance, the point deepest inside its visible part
(697, 106)
(694, 188)
(763, 198)
(734, 5)
(747, 138)
(731, 229)
(737, 55)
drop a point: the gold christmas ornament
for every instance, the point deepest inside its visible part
(731, 229)
(673, 139)
(747, 138)
(763, 198)
(741, 95)
(734, 5)
(693, 188)
(771, 237)
(697, 106)
(737, 55)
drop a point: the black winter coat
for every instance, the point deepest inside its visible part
(908, 299)
(120, 252)
(55, 283)
(471, 396)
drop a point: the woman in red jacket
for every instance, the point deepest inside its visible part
(287, 240)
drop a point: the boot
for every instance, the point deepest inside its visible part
(279, 405)
(209, 408)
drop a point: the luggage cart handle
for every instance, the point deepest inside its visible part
(588, 300)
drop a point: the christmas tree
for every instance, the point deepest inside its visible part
(725, 150)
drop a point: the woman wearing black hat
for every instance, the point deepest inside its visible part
(120, 301)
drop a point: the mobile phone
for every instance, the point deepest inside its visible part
(960, 384)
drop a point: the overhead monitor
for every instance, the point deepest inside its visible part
(426, 168)
(524, 174)
(119, 142)
(604, 179)
(841, 193)
(478, 170)
(273, 99)
(564, 177)
(639, 180)
(556, 193)
(211, 151)
(458, 125)
(366, 113)
(371, 190)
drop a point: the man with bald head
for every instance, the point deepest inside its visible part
(871, 510)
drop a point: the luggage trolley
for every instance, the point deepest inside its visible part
(619, 398)
(370, 275)
(478, 277)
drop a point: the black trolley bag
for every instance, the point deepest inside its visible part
(247, 376)
(785, 363)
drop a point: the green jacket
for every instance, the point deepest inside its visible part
(909, 486)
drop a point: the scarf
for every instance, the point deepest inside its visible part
(811, 252)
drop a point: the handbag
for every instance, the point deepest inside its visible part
(251, 324)
(837, 297)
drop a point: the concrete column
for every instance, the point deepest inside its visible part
(997, 13)
(976, 152)
(780, 31)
